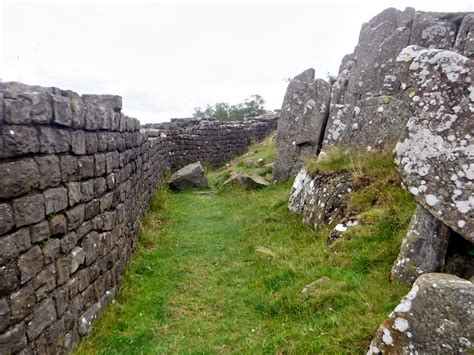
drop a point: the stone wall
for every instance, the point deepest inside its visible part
(76, 176)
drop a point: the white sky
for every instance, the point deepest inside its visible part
(167, 57)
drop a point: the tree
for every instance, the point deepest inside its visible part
(251, 107)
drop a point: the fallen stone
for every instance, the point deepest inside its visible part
(435, 317)
(191, 175)
(248, 181)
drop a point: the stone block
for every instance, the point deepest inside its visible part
(13, 340)
(17, 110)
(54, 140)
(30, 263)
(13, 244)
(18, 177)
(113, 102)
(68, 242)
(43, 316)
(85, 167)
(49, 171)
(6, 218)
(40, 231)
(64, 114)
(87, 190)
(51, 250)
(9, 275)
(28, 209)
(58, 224)
(92, 209)
(75, 216)
(77, 258)
(4, 314)
(22, 303)
(19, 140)
(55, 199)
(90, 245)
(78, 142)
(68, 164)
(63, 268)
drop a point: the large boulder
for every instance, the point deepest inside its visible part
(423, 249)
(435, 317)
(191, 175)
(301, 125)
(367, 109)
(435, 156)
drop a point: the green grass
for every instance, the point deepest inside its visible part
(223, 273)
(247, 163)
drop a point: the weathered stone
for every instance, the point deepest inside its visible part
(92, 209)
(304, 113)
(54, 140)
(109, 220)
(78, 142)
(85, 167)
(4, 314)
(100, 186)
(248, 181)
(40, 231)
(87, 190)
(434, 156)
(13, 340)
(66, 111)
(113, 102)
(435, 29)
(51, 250)
(435, 317)
(91, 142)
(191, 175)
(30, 263)
(13, 244)
(46, 277)
(100, 164)
(61, 296)
(55, 199)
(22, 303)
(106, 201)
(88, 316)
(424, 248)
(320, 199)
(90, 245)
(28, 209)
(75, 216)
(77, 258)
(19, 140)
(6, 218)
(68, 164)
(43, 316)
(9, 276)
(465, 37)
(371, 124)
(17, 109)
(49, 172)
(18, 177)
(58, 224)
(63, 268)
(68, 242)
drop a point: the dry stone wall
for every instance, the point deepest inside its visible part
(76, 175)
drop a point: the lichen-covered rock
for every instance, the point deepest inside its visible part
(435, 317)
(321, 198)
(370, 124)
(191, 175)
(424, 248)
(301, 125)
(369, 74)
(435, 156)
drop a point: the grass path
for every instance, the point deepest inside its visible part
(224, 273)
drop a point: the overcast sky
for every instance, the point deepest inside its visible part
(165, 58)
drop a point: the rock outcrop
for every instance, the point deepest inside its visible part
(367, 109)
(423, 249)
(302, 122)
(320, 198)
(435, 317)
(190, 176)
(435, 156)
